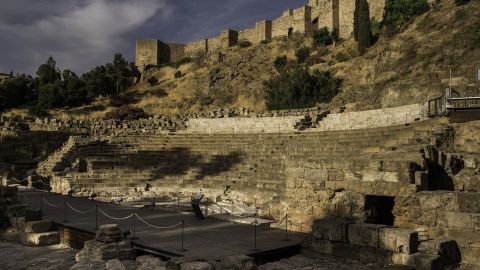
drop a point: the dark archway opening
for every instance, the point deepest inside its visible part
(315, 24)
(378, 210)
(290, 31)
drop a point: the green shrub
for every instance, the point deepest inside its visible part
(178, 74)
(461, 2)
(180, 62)
(322, 37)
(297, 88)
(314, 59)
(280, 62)
(37, 111)
(152, 81)
(244, 43)
(302, 54)
(399, 13)
(374, 27)
(126, 113)
(264, 42)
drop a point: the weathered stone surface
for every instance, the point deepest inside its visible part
(448, 250)
(116, 264)
(364, 234)
(239, 262)
(176, 262)
(331, 229)
(17, 210)
(398, 240)
(38, 226)
(106, 251)
(147, 262)
(420, 261)
(196, 266)
(438, 200)
(40, 239)
(90, 265)
(109, 233)
(469, 202)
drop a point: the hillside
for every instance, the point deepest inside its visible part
(409, 67)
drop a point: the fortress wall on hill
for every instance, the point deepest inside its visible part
(195, 47)
(249, 34)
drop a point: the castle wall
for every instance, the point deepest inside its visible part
(194, 47)
(229, 38)
(323, 11)
(263, 30)
(177, 52)
(249, 34)
(151, 52)
(347, 10)
(296, 19)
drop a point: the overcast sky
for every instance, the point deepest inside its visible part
(81, 34)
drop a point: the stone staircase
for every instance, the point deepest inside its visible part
(59, 160)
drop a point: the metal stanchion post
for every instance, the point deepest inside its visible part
(96, 217)
(183, 226)
(255, 224)
(134, 225)
(286, 227)
(178, 202)
(41, 203)
(65, 210)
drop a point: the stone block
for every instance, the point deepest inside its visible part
(89, 265)
(398, 240)
(366, 235)
(421, 180)
(471, 254)
(438, 200)
(239, 262)
(455, 220)
(109, 233)
(331, 229)
(147, 262)
(38, 226)
(196, 266)
(469, 202)
(40, 239)
(448, 250)
(420, 261)
(106, 251)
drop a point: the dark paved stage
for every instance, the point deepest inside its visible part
(209, 238)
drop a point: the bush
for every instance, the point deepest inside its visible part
(322, 37)
(244, 43)
(280, 62)
(152, 81)
(314, 59)
(461, 2)
(126, 113)
(180, 62)
(302, 54)
(178, 74)
(37, 111)
(298, 88)
(264, 42)
(399, 13)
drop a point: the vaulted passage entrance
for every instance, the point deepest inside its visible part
(378, 210)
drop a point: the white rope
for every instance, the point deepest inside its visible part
(281, 222)
(52, 205)
(40, 181)
(157, 227)
(114, 218)
(78, 211)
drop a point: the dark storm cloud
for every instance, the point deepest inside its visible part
(81, 34)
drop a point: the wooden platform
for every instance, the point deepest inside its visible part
(209, 239)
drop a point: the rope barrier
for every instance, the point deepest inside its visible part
(115, 218)
(78, 211)
(50, 204)
(156, 227)
(281, 222)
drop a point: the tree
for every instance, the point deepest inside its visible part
(119, 72)
(399, 13)
(364, 29)
(280, 62)
(17, 91)
(356, 20)
(48, 72)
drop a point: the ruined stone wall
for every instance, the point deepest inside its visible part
(229, 38)
(346, 14)
(263, 30)
(374, 118)
(151, 52)
(249, 34)
(195, 47)
(323, 12)
(177, 52)
(243, 125)
(296, 19)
